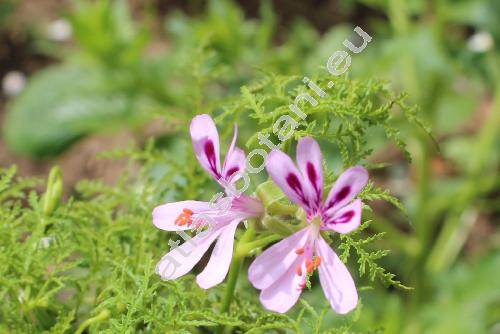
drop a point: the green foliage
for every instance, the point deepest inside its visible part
(106, 32)
(86, 264)
(367, 259)
(109, 81)
(80, 101)
(350, 112)
(468, 291)
(7, 7)
(89, 266)
(373, 193)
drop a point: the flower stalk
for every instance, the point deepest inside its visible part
(102, 316)
(236, 268)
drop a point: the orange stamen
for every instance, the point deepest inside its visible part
(184, 218)
(317, 261)
(309, 266)
(299, 270)
(299, 251)
(187, 211)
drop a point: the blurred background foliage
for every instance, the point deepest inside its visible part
(125, 78)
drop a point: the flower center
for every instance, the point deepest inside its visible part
(310, 262)
(309, 265)
(184, 218)
(316, 224)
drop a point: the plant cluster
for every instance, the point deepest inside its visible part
(86, 263)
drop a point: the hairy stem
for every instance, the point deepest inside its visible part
(235, 268)
(234, 272)
(243, 249)
(231, 283)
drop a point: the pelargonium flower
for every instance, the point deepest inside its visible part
(281, 272)
(212, 222)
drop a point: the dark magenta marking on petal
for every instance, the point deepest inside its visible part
(210, 153)
(313, 177)
(345, 218)
(311, 174)
(294, 183)
(342, 194)
(231, 171)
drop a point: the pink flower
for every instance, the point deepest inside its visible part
(220, 223)
(282, 270)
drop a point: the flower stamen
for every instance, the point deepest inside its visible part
(299, 270)
(299, 251)
(309, 266)
(317, 261)
(184, 218)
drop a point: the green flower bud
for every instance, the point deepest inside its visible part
(277, 225)
(269, 193)
(52, 196)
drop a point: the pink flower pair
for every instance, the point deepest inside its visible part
(281, 272)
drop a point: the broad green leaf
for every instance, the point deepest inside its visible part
(59, 106)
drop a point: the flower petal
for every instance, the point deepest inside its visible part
(335, 279)
(284, 293)
(347, 186)
(206, 143)
(218, 265)
(346, 219)
(248, 205)
(284, 173)
(164, 216)
(274, 262)
(310, 161)
(235, 162)
(233, 142)
(180, 260)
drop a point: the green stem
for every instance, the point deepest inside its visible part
(235, 269)
(231, 283)
(244, 246)
(234, 272)
(103, 315)
(243, 249)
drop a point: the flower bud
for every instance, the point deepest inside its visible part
(277, 226)
(54, 190)
(269, 193)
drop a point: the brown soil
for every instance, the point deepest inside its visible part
(79, 162)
